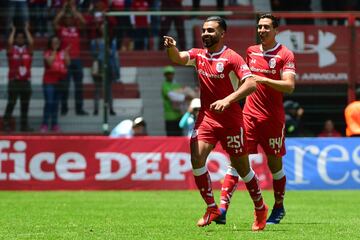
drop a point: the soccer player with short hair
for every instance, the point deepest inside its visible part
(224, 79)
(264, 116)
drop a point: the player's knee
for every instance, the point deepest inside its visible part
(197, 162)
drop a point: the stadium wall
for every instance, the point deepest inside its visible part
(162, 163)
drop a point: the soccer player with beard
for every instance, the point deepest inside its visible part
(224, 79)
(264, 118)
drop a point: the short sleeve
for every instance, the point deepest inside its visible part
(192, 56)
(289, 63)
(241, 69)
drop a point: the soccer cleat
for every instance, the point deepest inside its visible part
(260, 219)
(222, 218)
(210, 215)
(276, 215)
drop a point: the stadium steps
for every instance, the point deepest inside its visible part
(126, 100)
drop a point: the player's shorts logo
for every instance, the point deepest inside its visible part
(272, 62)
(219, 67)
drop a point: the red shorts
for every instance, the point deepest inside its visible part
(268, 133)
(231, 137)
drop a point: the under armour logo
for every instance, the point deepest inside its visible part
(302, 42)
(253, 61)
(202, 63)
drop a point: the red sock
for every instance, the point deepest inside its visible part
(255, 193)
(227, 190)
(279, 191)
(203, 182)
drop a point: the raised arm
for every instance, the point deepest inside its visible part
(78, 15)
(11, 38)
(29, 38)
(173, 52)
(58, 17)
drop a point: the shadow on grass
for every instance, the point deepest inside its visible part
(243, 229)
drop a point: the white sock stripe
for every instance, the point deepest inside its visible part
(258, 199)
(278, 175)
(211, 205)
(199, 171)
(249, 176)
(232, 171)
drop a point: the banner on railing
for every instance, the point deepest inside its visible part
(321, 53)
(323, 163)
(44, 163)
(102, 163)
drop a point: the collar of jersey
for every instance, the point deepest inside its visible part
(216, 53)
(270, 50)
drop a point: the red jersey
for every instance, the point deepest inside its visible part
(70, 36)
(19, 61)
(267, 102)
(141, 5)
(118, 5)
(218, 74)
(57, 71)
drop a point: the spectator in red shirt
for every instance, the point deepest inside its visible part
(19, 53)
(141, 25)
(56, 62)
(329, 130)
(69, 34)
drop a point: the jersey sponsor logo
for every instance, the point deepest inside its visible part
(220, 67)
(70, 32)
(295, 41)
(254, 69)
(210, 75)
(272, 63)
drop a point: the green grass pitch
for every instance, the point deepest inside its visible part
(171, 215)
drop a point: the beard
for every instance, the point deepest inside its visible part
(210, 41)
(265, 37)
